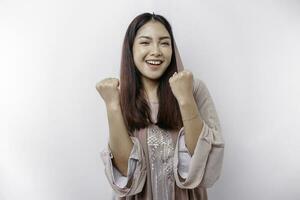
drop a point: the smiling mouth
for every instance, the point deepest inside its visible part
(154, 65)
(154, 62)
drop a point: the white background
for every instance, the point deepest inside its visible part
(53, 121)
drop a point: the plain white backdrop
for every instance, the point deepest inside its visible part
(53, 121)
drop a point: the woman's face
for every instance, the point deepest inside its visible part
(152, 50)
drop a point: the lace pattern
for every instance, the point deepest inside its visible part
(161, 152)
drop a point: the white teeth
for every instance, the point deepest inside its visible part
(154, 62)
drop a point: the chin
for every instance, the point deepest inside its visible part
(153, 77)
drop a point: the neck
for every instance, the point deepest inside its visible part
(150, 87)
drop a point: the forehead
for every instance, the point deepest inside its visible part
(153, 29)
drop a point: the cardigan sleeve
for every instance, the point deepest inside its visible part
(120, 180)
(206, 162)
(136, 172)
(184, 157)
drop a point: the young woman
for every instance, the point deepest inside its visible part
(165, 138)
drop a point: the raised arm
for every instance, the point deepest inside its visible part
(207, 156)
(119, 139)
(121, 147)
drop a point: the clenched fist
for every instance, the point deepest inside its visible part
(182, 85)
(109, 89)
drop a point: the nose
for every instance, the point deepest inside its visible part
(156, 51)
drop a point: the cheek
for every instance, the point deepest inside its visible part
(167, 51)
(168, 54)
(137, 54)
(140, 55)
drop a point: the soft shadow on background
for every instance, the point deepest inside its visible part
(53, 121)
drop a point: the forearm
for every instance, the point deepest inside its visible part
(192, 122)
(119, 139)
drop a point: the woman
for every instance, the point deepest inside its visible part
(165, 139)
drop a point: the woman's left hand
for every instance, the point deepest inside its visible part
(181, 84)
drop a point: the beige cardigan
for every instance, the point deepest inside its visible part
(205, 165)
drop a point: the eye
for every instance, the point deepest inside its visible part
(144, 43)
(166, 43)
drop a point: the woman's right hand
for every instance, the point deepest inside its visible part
(109, 89)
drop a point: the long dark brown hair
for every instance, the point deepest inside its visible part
(134, 105)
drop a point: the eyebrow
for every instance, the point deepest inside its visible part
(160, 38)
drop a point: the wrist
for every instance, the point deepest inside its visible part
(113, 105)
(185, 101)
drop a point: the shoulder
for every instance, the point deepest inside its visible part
(199, 86)
(201, 93)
